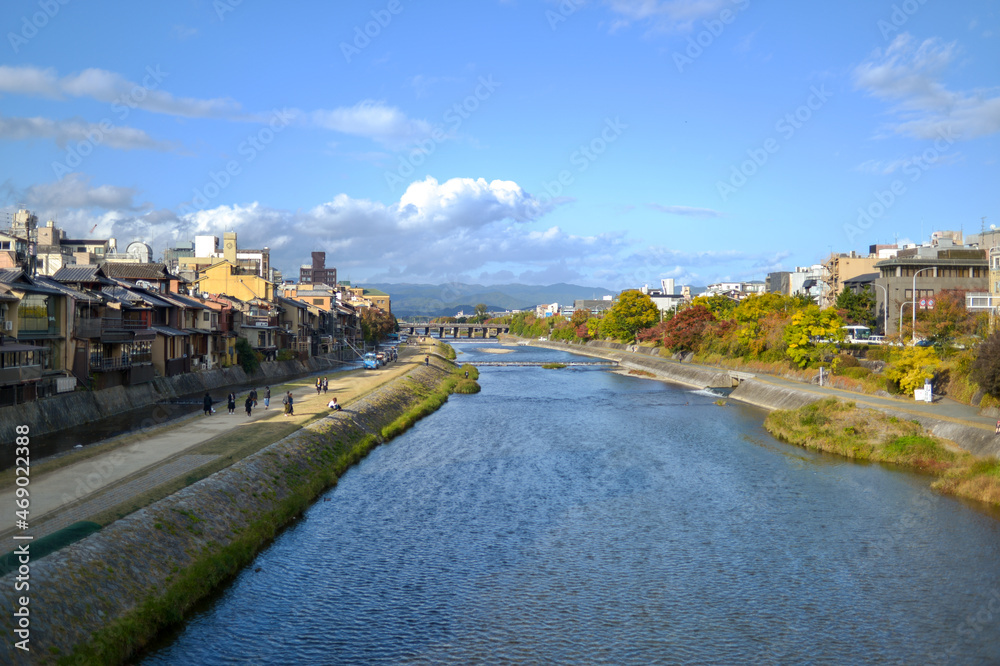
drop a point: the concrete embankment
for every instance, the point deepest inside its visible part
(977, 440)
(68, 410)
(104, 595)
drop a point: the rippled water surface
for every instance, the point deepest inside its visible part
(582, 516)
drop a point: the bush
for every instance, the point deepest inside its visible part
(855, 373)
(246, 356)
(467, 386)
(847, 361)
(986, 367)
(286, 355)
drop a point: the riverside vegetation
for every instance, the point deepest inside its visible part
(866, 434)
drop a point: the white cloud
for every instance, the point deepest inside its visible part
(64, 131)
(686, 211)
(669, 14)
(373, 120)
(74, 191)
(908, 73)
(113, 88)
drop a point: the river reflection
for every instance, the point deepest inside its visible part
(583, 516)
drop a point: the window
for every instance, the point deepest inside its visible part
(317, 301)
(33, 312)
(205, 316)
(4, 245)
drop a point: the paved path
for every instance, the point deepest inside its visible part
(80, 490)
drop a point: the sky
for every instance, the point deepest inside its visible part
(605, 143)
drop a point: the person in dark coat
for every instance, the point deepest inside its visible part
(267, 397)
(207, 403)
(249, 405)
(231, 403)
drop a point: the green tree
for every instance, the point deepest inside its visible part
(807, 328)
(246, 356)
(482, 312)
(376, 324)
(857, 308)
(720, 306)
(750, 315)
(632, 312)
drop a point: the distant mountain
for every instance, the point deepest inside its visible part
(445, 300)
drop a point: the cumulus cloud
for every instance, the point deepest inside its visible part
(75, 191)
(65, 131)
(908, 72)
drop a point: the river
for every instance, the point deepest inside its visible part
(579, 515)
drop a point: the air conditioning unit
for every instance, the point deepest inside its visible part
(8, 326)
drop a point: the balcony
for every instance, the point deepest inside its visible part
(19, 374)
(100, 363)
(93, 328)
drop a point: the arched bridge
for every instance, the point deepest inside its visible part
(454, 330)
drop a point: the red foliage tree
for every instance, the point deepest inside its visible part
(684, 331)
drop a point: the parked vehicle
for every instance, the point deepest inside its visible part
(381, 358)
(371, 361)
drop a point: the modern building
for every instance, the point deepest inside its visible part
(916, 274)
(317, 272)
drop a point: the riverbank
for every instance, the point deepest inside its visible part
(69, 410)
(104, 597)
(961, 448)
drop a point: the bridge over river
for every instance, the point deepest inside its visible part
(454, 330)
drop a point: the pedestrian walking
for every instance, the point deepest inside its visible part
(427, 359)
(998, 424)
(289, 406)
(207, 403)
(267, 396)
(326, 385)
(253, 395)
(249, 405)
(231, 403)
(319, 385)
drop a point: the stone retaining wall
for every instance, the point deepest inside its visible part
(87, 585)
(68, 410)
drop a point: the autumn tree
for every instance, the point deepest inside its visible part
(376, 324)
(986, 367)
(684, 332)
(810, 334)
(913, 366)
(750, 315)
(948, 318)
(720, 306)
(632, 312)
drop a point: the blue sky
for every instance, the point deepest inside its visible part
(602, 142)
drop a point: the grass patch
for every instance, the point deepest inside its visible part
(467, 386)
(866, 434)
(641, 373)
(553, 366)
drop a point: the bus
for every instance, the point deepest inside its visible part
(861, 335)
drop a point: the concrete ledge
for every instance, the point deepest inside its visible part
(68, 410)
(84, 587)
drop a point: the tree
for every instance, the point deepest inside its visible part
(246, 356)
(986, 367)
(720, 306)
(632, 312)
(857, 308)
(580, 316)
(913, 367)
(750, 315)
(482, 312)
(376, 324)
(948, 318)
(684, 332)
(810, 333)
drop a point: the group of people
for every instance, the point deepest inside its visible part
(251, 400)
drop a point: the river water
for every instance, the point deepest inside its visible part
(582, 516)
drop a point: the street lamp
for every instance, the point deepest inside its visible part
(885, 309)
(901, 306)
(915, 300)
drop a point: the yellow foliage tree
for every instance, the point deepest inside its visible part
(808, 324)
(914, 365)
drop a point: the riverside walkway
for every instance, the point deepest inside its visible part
(106, 480)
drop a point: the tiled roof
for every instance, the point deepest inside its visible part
(9, 275)
(80, 273)
(135, 271)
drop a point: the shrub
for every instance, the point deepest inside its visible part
(855, 373)
(467, 386)
(246, 356)
(986, 367)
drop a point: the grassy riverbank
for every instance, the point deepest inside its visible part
(866, 434)
(324, 459)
